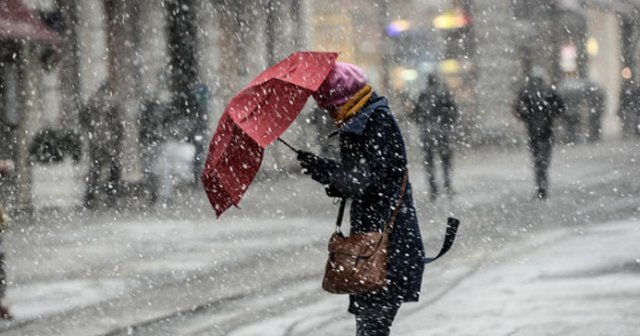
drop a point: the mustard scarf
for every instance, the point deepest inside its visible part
(353, 105)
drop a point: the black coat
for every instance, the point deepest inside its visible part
(369, 173)
(538, 106)
(436, 114)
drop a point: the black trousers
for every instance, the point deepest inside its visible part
(541, 152)
(442, 148)
(375, 319)
(97, 183)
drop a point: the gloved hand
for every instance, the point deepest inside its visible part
(332, 192)
(319, 168)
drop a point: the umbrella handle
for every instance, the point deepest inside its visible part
(288, 145)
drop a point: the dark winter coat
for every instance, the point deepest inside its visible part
(373, 163)
(538, 106)
(435, 113)
(102, 117)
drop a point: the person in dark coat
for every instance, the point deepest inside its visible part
(6, 167)
(596, 99)
(436, 114)
(151, 137)
(629, 108)
(538, 106)
(372, 164)
(199, 129)
(102, 118)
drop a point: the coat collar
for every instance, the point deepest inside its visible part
(358, 123)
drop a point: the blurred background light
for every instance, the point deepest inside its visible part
(397, 27)
(592, 46)
(450, 20)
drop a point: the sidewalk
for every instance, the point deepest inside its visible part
(518, 264)
(563, 282)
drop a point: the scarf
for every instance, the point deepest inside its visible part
(353, 105)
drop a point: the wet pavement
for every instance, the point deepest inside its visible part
(257, 270)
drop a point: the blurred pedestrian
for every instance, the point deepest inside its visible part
(596, 100)
(629, 108)
(584, 106)
(199, 128)
(370, 171)
(102, 119)
(435, 113)
(151, 137)
(6, 167)
(538, 106)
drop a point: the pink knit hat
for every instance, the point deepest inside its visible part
(342, 83)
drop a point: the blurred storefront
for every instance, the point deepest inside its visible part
(483, 49)
(22, 40)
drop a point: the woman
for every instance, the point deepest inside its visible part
(370, 171)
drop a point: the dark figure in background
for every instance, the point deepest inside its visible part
(538, 105)
(572, 90)
(151, 136)
(369, 173)
(199, 128)
(436, 114)
(6, 167)
(584, 106)
(629, 110)
(596, 100)
(102, 119)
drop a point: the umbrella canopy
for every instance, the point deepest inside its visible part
(233, 161)
(18, 22)
(256, 117)
(266, 107)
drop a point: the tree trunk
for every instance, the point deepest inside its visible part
(181, 27)
(70, 79)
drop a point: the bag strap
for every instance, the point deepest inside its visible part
(343, 203)
(403, 188)
(450, 236)
(390, 223)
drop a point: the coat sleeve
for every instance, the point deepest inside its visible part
(521, 109)
(383, 155)
(448, 104)
(556, 104)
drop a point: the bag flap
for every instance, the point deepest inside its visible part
(359, 245)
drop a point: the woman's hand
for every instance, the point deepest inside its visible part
(319, 168)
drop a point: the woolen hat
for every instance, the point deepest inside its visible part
(342, 83)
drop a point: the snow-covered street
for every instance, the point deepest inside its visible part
(567, 266)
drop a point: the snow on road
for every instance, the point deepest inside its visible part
(519, 267)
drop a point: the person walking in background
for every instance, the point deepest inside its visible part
(596, 98)
(435, 113)
(102, 118)
(199, 129)
(370, 172)
(151, 137)
(629, 108)
(6, 166)
(538, 106)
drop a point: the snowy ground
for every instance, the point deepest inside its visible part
(520, 267)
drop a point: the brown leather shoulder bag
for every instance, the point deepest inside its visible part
(358, 263)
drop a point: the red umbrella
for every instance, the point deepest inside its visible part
(269, 104)
(256, 117)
